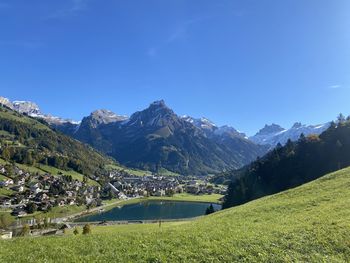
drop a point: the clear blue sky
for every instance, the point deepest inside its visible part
(238, 62)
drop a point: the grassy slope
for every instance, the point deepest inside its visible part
(213, 198)
(138, 172)
(19, 118)
(3, 177)
(135, 172)
(310, 223)
(58, 212)
(43, 169)
(75, 175)
(5, 192)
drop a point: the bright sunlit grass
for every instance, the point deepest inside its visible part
(306, 224)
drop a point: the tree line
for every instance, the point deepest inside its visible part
(293, 164)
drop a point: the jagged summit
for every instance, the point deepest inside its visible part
(6, 102)
(274, 134)
(211, 129)
(157, 114)
(103, 116)
(297, 125)
(269, 129)
(158, 103)
(27, 107)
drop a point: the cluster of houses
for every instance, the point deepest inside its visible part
(31, 192)
(40, 192)
(126, 186)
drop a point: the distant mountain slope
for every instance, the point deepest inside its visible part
(306, 224)
(32, 109)
(274, 134)
(27, 140)
(158, 138)
(292, 165)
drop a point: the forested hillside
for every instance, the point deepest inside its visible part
(29, 141)
(292, 165)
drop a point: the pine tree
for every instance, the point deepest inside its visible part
(341, 118)
(6, 155)
(210, 210)
(87, 229)
(76, 231)
(28, 159)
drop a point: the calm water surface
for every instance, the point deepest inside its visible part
(151, 210)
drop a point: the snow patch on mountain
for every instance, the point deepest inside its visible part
(33, 110)
(27, 107)
(274, 134)
(202, 123)
(228, 130)
(106, 116)
(6, 102)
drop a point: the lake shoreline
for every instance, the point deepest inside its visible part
(108, 207)
(210, 199)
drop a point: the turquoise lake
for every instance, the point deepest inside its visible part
(151, 210)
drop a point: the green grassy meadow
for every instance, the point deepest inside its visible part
(310, 223)
(135, 172)
(43, 169)
(213, 198)
(138, 172)
(75, 175)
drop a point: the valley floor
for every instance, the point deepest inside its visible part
(310, 223)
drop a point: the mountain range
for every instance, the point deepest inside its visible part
(157, 138)
(274, 134)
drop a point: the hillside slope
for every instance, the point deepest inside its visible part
(29, 141)
(306, 224)
(292, 165)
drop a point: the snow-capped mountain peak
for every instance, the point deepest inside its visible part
(297, 125)
(6, 102)
(229, 131)
(211, 129)
(274, 134)
(107, 116)
(33, 110)
(270, 129)
(27, 107)
(202, 123)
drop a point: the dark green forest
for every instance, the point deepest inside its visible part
(292, 165)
